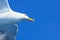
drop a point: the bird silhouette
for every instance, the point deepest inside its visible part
(8, 20)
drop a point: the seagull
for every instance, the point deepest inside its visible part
(8, 20)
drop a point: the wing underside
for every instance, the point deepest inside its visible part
(8, 32)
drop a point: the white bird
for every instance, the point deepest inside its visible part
(8, 20)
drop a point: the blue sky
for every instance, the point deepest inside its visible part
(47, 19)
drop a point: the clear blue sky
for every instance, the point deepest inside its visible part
(47, 19)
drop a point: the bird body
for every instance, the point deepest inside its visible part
(8, 28)
(9, 18)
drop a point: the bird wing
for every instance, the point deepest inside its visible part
(4, 6)
(8, 32)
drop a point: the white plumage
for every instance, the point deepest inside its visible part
(8, 19)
